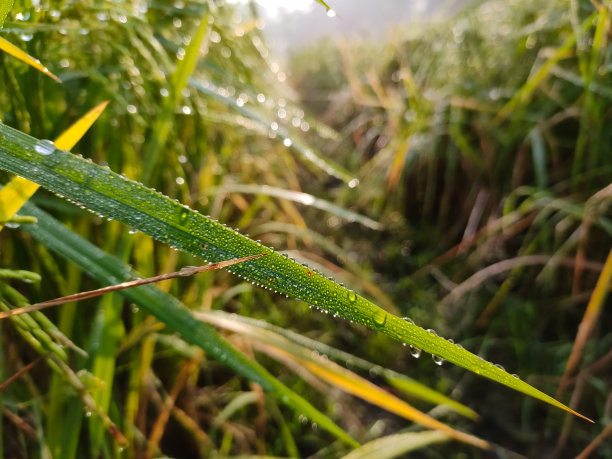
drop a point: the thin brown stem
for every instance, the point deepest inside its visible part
(185, 272)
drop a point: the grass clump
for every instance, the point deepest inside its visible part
(461, 155)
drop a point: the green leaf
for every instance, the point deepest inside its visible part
(109, 270)
(396, 445)
(5, 7)
(303, 198)
(114, 196)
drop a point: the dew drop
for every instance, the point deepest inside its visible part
(380, 318)
(437, 359)
(500, 367)
(183, 216)
(351, 295)
(44, 147)
(415, 351)
(409, 320)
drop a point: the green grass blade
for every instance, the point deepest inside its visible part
(538, 149)
(303, 198)
(109, 270)
(114, 196)
(5, 7)
(396, 445)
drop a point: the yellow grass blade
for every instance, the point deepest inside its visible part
(11, 49)
(68, 139)
(14, 195)
(356, 385)
(588, 320)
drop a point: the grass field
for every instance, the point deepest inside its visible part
(444, 192)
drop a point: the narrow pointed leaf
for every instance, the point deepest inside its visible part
(14, 195)
(5, 7)
(11, 49)
(114, 196)
(523, 95)
(303, 198)
(396, 445)
(69, 138)
(589, 319)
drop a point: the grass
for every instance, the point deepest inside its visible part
(453, 185)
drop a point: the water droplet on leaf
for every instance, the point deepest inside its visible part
(44, 147)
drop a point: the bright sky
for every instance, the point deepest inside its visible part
(273, 7)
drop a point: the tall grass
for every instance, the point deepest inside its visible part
(470, 159)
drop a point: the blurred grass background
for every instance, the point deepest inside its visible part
(481, 144)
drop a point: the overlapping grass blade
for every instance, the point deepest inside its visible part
(282, 349)
(303, 198)
(399, 381)
(107, 193)
(306, 153)
(109, 270)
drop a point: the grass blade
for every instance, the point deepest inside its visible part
(163, 123)
(588, 320)
(5, 7)
(396, 445)
(306, 153)
(522, 96)
(303, 198)
(114, 196)
(11, 49)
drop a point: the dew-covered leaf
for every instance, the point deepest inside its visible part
(306, 153)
